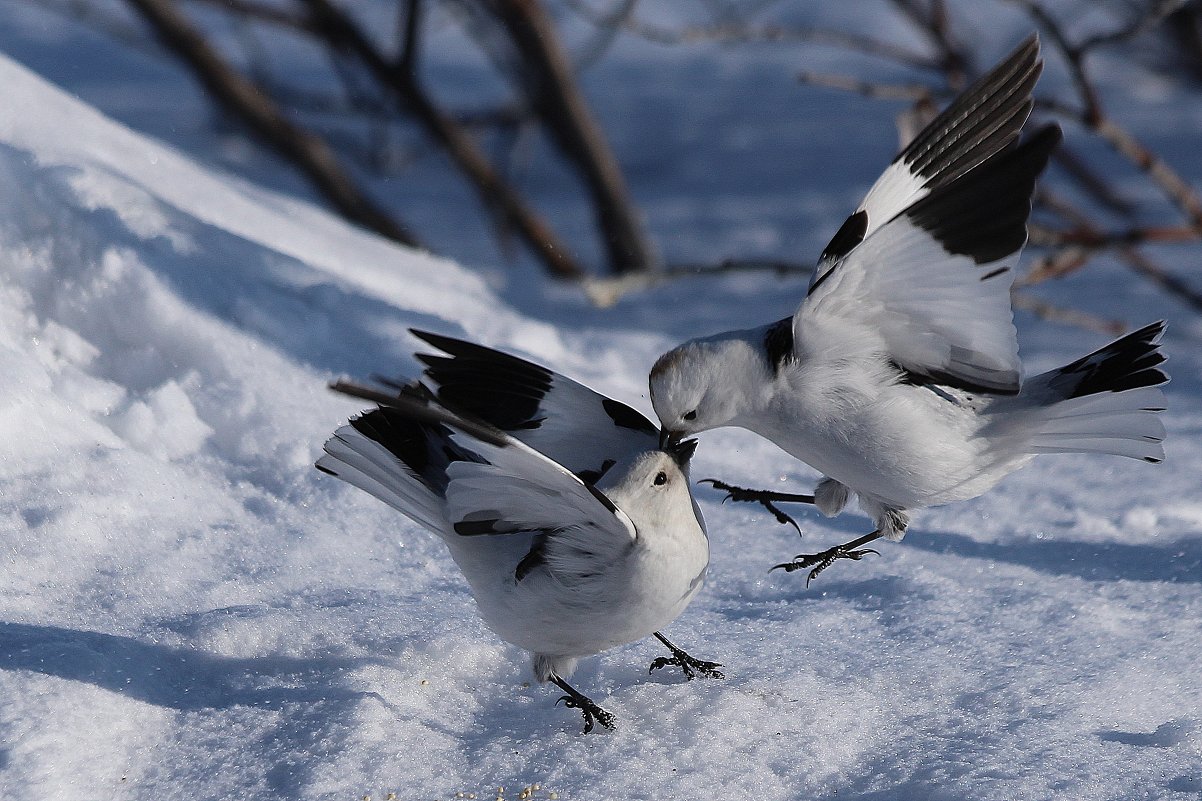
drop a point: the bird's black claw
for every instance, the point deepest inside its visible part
(689, 666)
(589, 711)
(821, 561)
(742, 495)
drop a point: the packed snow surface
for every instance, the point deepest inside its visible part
(189, 610)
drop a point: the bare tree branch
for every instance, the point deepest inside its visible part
(742, 33)
(266, 119)
(262, 12)
(343, 33)
(871, 89)
(1169, 180)
(552, 87)
(1176, 287)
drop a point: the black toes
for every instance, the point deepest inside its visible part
(821, 561)
(690, 667)
(588, 710)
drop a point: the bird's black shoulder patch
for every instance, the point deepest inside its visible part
(850, 234)
(778, 344)
(626, 417)
(591, 477)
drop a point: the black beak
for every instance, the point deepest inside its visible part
(681, 452)
(669, 439)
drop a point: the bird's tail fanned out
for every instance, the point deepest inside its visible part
(1106, 402)
(397, 459)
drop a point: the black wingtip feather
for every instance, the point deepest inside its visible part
(503, 390)
(1130, 362)
(850, 234)
(423, 445)
(983, 214)
(983, 120)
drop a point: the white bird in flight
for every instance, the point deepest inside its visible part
(562, 566)
(898, 377)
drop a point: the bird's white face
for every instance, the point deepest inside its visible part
(694, 389)
(653, 488)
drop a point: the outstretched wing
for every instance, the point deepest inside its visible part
(463, 478)
(981, 122)
(579, 428)
(931, 287)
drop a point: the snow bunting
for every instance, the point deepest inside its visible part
(561, 565)
(898, 377)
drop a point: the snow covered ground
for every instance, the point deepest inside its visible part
(189, 610)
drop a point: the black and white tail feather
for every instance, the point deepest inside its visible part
(1107, 402)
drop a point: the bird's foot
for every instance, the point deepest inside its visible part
(764, 498)
(690, 666)
(588, 709)
(821, 561)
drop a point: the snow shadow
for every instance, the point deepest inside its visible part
(1167, 735)
(176, 678)
(307, 314)
(1178, 560)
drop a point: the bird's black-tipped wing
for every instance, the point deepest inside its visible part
(575, 426)
(460, 477)
(932, 286)
(980, 123)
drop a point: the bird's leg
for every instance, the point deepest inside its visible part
(765, 498)
(588, 708)
(688, 665)
(821, 561)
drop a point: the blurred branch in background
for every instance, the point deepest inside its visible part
(1066, 235)
(262, 115)
(1085, 208)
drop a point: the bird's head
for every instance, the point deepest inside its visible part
(703, 384)
(652, 487)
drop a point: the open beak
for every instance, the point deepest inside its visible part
(669, 439)
(681, 451)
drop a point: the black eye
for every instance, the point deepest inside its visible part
(661, 478)
(691, 415)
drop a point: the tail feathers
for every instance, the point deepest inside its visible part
(1106, 402)
(1127, 363)
(361, 455)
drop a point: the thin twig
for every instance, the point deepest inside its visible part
(1176, 287)
(262, 12)
(605, 292)
(343, 33)
(1049, 311)
(870, 89)
(741, 33)
(309, 152)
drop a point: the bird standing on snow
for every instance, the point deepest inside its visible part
(898, 377)
(562, 567)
